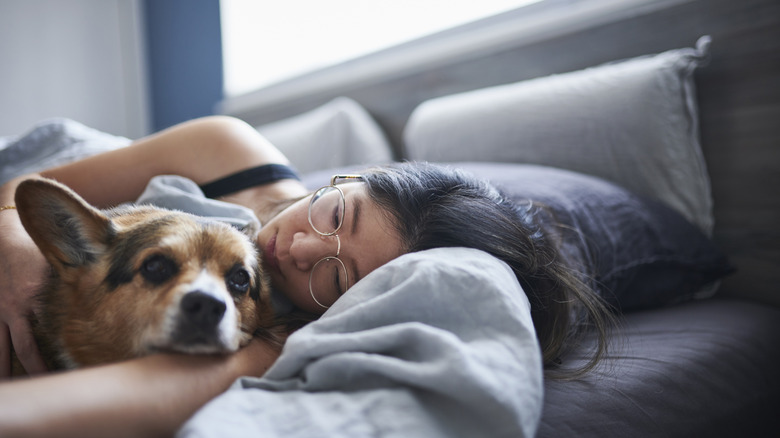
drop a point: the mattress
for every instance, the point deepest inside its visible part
(705, 368)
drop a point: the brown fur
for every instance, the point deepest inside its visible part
(120, 277)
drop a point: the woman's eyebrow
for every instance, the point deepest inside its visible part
(356, 208)
(357, 205)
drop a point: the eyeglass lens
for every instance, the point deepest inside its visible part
(326, 210)
(328, 277)
(328, 280)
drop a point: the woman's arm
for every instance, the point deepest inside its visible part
(202, 150)
(150, 396)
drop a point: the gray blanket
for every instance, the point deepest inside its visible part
(436, 343)
(433, 344)
(52, 143)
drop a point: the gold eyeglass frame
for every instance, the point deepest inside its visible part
(334, 233)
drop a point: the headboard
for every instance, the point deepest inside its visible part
(738, 94)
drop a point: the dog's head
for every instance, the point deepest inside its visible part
(133, 280)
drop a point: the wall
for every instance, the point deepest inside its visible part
(184, 46)
(81, 59)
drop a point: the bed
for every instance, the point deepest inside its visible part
(680, 125)
(695, 363)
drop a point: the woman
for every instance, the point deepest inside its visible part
(393, 211)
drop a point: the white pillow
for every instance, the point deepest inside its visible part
(632, 122)
(339, 133)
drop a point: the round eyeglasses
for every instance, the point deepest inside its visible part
(328, 277)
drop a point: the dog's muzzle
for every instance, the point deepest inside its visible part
(201, 311)
(198, 323)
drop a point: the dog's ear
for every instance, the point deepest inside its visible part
(68, 231)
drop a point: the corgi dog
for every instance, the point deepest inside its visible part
(130, 281)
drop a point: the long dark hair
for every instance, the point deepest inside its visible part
(434, 206)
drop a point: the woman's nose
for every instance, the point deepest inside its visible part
(309, 248)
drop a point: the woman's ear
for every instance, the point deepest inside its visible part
(68, 231)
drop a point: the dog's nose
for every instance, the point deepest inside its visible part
(202, 309)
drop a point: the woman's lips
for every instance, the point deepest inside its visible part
(269, 255)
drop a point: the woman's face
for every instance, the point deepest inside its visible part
(290, 247)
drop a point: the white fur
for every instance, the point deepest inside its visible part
(215, 286)
(228, 333)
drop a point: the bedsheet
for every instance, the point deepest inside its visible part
(50, 143)
(433, 344)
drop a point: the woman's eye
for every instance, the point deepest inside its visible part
(238, 281)
(340, 282)
(158, 269)
(336, 216)
(336, 279)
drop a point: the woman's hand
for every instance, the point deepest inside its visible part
(22, 272)
(255, 359)
(149, 396)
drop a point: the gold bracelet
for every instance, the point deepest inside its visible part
(8, 207)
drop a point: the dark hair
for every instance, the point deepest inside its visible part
(434, 206)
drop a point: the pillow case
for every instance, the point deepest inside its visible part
(637, 252)
(339, 133)
(632, 122)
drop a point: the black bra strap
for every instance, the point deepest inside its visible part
(245, 179)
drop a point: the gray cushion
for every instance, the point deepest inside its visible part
(700, 369)
(339, 133)
(633, 122)
(639, 252)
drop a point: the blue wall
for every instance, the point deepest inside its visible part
(184, 49)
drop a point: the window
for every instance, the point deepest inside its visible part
(265, 42)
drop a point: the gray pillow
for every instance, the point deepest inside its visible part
(638, 252)
(339, 133)
(632, 122)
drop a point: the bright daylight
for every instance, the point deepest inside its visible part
(266, 41)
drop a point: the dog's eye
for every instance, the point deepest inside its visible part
(238, 281)
(158, 269)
